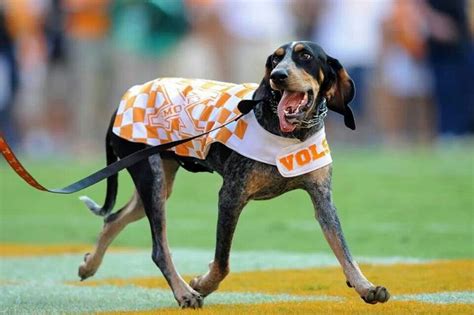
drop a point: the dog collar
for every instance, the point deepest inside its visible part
(318, 118)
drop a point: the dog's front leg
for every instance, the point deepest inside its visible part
(231, 203)
(319, 188)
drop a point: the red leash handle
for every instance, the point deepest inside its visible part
(17, 166)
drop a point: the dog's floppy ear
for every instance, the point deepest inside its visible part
(245, 106)
(340, 91)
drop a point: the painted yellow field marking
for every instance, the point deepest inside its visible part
(440, 276)
(346, 307)
(400, 279)
(19, 250)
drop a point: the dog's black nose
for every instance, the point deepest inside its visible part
(279, 75)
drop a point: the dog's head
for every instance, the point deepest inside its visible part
(299, 77)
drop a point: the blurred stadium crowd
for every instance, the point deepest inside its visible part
(64, 64)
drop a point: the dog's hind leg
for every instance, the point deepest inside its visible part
(149, 179)
(113, 225)
(116, 222)
(319, 188)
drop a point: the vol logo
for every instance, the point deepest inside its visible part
(304, 156)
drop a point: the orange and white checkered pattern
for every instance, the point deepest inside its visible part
(171, 109)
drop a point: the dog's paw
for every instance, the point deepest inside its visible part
(203, 285)
(191, 299)
(376, 295)
(85, 269)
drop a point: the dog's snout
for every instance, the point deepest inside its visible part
(279, 75)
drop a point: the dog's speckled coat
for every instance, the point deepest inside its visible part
(297, 66)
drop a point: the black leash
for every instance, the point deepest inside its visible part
(244, 107)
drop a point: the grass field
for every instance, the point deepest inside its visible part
(395, 206)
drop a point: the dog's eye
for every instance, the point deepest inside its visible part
(275, 60)
(306, 56)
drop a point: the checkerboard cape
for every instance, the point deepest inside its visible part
(171, 109)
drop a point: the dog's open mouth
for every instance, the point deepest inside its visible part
(292, 109)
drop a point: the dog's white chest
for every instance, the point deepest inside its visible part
(171, 109)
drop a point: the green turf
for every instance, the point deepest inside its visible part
(409, 203)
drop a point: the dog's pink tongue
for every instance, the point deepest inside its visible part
(289, 101)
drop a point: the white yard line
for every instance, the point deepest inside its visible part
(462, 297)
(188, 261)
(60, 298)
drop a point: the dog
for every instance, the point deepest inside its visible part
(300, 81)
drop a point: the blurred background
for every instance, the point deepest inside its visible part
(64, 64)
(403, 181)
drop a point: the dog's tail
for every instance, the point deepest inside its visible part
(112, 181)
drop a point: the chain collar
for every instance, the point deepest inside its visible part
(318, 118)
